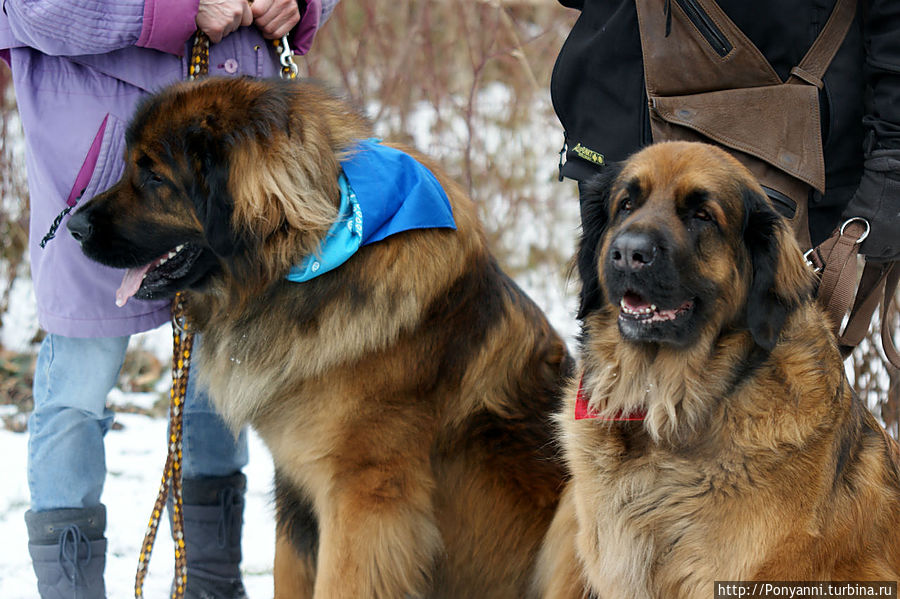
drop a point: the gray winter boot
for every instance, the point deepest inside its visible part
(213, 517)
(68, 552)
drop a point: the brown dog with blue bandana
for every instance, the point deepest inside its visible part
(405, 394)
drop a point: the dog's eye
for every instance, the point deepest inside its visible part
(626, 205)
(701, 214)
(151, 178)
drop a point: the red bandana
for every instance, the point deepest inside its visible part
(583, 411)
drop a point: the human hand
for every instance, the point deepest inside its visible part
(878, 201)
(275, 18)
(218, 18)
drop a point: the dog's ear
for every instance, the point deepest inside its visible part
(214, 206)
(780, 282)
(594, 199)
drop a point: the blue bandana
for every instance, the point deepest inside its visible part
(383, 191)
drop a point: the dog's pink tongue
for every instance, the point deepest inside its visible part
(635, 302)
(131, 282)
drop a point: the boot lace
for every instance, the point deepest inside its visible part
(71, 556)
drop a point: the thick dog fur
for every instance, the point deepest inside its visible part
(406, 396)
(755, 461)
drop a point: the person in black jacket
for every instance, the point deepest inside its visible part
(599, 96)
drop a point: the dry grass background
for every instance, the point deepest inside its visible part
(466, 81)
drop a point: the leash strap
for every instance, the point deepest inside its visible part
(867, 299)
(199, 66)
(892, 279)
(183, 341)
(836, 260)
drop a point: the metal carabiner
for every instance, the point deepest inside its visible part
(289, 68)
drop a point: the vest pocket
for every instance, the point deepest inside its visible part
(777, 124)
(785, 205)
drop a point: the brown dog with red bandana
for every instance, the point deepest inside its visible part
(713, 435)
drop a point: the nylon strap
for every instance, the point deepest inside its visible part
(183, 341)
(836, 259)
(877, 289)
(892, 279)
(867, 299)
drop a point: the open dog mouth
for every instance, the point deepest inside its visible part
(634, 308)
(145, 281)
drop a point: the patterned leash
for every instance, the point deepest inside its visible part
(183, 342)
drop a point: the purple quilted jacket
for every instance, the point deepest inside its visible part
(79, 67)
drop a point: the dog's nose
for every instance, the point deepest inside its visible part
(632, 251)
(80, 227)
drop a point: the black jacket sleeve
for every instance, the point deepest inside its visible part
(882, 45)
(878, 197)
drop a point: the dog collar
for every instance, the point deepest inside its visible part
(384, 191)
(584, 411)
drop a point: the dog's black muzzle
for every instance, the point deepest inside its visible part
(643, 278)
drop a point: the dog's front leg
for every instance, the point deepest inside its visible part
(378, 536)
(559, 573)
(294, 574)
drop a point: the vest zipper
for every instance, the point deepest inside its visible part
(706, 26)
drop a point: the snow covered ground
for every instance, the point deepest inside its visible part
(135, 457)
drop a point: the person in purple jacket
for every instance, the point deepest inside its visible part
(79, 68)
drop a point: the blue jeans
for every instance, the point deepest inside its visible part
(66, 461)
